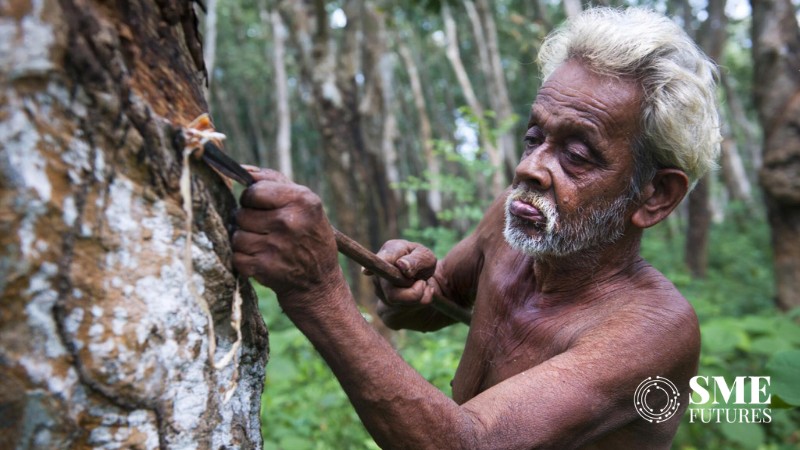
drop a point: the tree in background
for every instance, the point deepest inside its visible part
(776, 57)
(113, 298)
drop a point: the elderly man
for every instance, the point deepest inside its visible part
(568, 318)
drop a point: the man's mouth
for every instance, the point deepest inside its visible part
(527, 211)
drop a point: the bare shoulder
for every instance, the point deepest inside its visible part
(655, 325)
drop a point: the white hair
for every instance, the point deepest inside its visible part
(680, 124)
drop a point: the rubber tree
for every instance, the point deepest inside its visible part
(776, 58)
(121, 324)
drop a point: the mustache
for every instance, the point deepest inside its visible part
(539, 201)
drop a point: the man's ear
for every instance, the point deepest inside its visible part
(661, 196)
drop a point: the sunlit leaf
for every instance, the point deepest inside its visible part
(784, 369)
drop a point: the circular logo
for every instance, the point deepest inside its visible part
(656, 399)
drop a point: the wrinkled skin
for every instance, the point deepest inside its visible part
(557, 345)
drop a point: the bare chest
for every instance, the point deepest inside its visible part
(510, 335)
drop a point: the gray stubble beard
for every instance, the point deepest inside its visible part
(592, 227)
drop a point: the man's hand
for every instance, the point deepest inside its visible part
(284, 239)
(415, 262)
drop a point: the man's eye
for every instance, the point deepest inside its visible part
(575, 158)
(533, 138)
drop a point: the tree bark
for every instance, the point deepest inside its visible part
(105, 331)
(776, 54)
(696, 254)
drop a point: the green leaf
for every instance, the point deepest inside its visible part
(789, 331)
(758, 324)
(748, 435)
(721, 337)
(784, 370)
(768, 345)
(776, 402)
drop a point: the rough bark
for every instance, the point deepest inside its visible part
(102, 343)
(379, 101)
(776, 54)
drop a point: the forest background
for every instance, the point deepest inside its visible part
(407, 117)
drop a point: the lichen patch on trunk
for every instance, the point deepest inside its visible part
(101, 341)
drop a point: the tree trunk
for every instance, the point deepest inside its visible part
(740, 122)
(105, 337)
(228, 120)
(283, 140)
(498, 90)
(454, 56)
(434, 197)
(776, 54)
(362, 204)
(210, 38)
(733, 172)
(711, 39)
(696, 254)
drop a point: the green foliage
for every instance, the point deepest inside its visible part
(784, 368)
(742, 332)
(303, 406)
(460, 186)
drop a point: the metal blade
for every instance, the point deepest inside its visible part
(226, 165)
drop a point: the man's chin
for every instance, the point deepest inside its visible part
(526, 239)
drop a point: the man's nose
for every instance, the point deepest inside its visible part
(533, 170)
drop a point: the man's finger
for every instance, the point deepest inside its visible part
(420, 259)
(392, 250)
(247, 265)
(270, 194)
(260, 174)
(400, 296)
(254, 220)
(249, 243)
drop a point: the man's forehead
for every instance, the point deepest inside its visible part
(603, 99)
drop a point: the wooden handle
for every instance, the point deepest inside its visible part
(389, 272)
